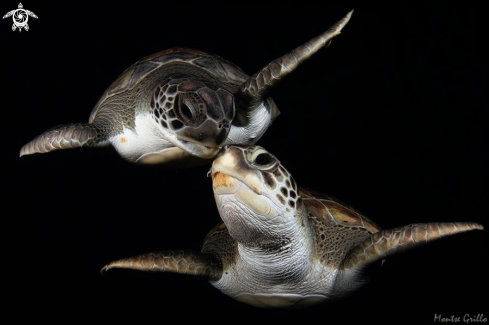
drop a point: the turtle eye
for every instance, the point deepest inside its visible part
(185, 109)
(186, 112)
(263, 159)
(190, 110)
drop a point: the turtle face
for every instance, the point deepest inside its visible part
(254, 193)
(192, 115)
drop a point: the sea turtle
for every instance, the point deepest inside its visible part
(182, 103)
(280, 245)
(20, 17)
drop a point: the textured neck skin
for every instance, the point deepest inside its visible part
(283, 257)
(277, 264)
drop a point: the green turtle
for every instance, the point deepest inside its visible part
(280, 245)
(20, 17)
(181, 104)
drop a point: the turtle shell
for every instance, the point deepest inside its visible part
(179, 60)
(332, 211)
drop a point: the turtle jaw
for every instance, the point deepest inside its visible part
(230, 179)
(197, 149)
(203, 142)
(225, 185)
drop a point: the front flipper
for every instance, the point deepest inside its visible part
(180, 261)
(257, 86)
(62, 137)
(393, 241)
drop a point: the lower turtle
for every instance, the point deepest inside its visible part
(280, 245)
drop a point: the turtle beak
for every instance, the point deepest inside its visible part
(204, 141)
(231, 161)
(231, 175)
(225, 161)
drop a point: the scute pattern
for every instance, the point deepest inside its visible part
(166, 108)
(279, 180)
(332, 211)
(334, 242)
(229, 74)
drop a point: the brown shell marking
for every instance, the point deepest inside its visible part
(133, 74)
(332, 211)
(224, 70)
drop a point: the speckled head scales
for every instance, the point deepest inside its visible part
(260, 171)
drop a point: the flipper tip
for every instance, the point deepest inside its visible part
(103, 270)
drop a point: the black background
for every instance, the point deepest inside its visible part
(391, 118)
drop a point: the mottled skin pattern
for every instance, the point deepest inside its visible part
(180, 261)
(181, 106)
(280, 245)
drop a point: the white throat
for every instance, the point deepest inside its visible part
(268, 247)
(281, 260)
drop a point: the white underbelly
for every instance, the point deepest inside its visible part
(145, 138)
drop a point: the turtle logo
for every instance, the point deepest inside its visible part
(20, 17)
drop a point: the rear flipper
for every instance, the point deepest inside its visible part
(65, 136)
(181, 261)
(393, 241)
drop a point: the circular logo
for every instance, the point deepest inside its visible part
(20, 17)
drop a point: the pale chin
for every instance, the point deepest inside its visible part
(226, 187)
(196, 149)
(200, 151)
(193, 148)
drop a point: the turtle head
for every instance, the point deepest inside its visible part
(255, 195)
(194, 116)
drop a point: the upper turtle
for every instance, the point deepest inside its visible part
(182, 105)
(280, 245)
